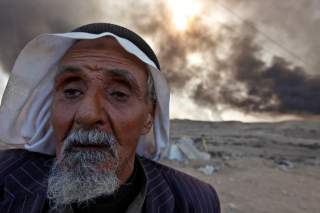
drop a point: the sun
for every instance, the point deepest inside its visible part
(183, 11)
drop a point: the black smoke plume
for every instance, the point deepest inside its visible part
(255, 86)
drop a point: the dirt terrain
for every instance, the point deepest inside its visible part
(258, 167)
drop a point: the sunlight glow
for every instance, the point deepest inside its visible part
(195, 59)
(183, 11)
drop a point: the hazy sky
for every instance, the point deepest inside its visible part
(245, 60)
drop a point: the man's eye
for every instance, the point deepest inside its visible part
(72, 93)
(120, 96)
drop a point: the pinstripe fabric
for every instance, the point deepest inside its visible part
(173, 191)
(23, 181)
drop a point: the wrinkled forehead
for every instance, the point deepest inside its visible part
(104, 47)
(106, 42)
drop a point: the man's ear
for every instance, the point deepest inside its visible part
(149, 120)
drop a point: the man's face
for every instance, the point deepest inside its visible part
(102, 86)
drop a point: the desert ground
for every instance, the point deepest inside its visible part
(258, 167)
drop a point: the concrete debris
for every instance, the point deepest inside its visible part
(285, 163)
(232, 208)
(207, 170)
(210, 169)
(232, 205)
(173, 152)
(184, 149)
(186, 145)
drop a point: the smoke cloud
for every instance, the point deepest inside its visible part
(252, 85)
(241, 78)
(233, 69)
(20, 21)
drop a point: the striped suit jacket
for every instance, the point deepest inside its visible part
(23, 185)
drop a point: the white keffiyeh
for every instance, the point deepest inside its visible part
(25, 108)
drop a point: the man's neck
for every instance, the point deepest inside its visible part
(125, 169)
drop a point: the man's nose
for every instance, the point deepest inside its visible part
(90, 112)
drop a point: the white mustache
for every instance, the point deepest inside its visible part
(89, 137)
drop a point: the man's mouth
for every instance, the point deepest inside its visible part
(90, 146)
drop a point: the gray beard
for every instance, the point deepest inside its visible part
(81, 175)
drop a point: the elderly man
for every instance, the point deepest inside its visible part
(81, 105)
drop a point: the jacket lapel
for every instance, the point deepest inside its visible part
(159, 197)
